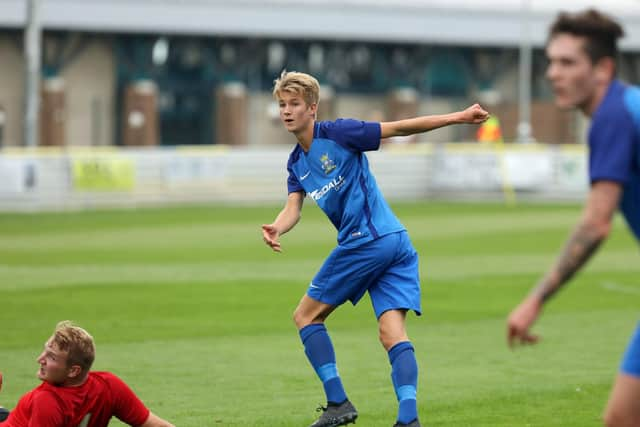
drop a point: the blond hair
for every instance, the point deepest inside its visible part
(77, 343)
(297, 83)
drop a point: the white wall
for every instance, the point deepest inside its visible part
(90, 91)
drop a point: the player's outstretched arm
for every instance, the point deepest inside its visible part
(473, 115)
(155, 421)
(592, 230)
(285, 221)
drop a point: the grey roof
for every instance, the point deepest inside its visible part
(468, 22)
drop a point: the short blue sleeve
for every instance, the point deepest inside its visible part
(611, 141)
(293, 184)
(355, 135)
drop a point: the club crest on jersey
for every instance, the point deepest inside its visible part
(327, 164)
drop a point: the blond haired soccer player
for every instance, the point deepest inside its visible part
(72, 396)
(374, 253)
(582, 50)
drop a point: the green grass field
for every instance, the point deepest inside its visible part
(194, 312)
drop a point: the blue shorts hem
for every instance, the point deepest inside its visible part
(630, 371)
(417, 311)
(631, 361)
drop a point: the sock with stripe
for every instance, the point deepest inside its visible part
(319, 351)
(404, 374)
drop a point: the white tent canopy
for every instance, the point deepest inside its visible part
(466, 22)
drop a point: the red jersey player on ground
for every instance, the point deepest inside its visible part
(70, 395)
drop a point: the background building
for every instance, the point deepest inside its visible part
(150, 72)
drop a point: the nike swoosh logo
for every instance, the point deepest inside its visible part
(303, 177)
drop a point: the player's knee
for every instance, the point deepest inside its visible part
(306, 314)
(389, 339)
(384, 340)
(390, 336)
(300, 319)
(296, 318)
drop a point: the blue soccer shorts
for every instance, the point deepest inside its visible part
(386, 267)
(631, 361)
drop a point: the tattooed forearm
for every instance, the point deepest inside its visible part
(581, 245)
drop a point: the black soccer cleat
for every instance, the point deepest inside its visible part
(334, 415)
(414, 423)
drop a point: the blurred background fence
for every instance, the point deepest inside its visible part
(87, 178)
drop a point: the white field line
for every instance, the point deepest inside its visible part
(623, 289)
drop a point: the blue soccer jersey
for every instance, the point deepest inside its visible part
(335, 173)
(614, 147)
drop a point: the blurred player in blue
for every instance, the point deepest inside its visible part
(582, 50)
(374, 252)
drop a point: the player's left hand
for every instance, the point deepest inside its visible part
(270, 236)
(475, 114)
(521, 319)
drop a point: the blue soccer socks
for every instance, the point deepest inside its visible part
(319, 351)
(404, 374)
